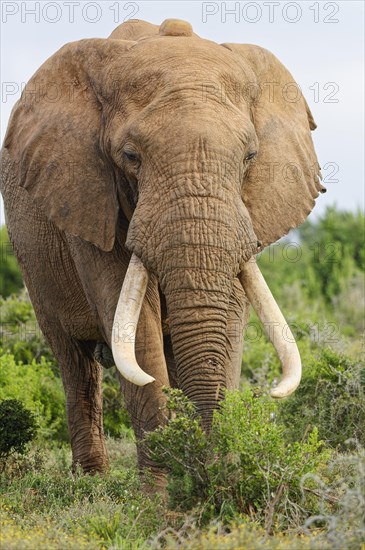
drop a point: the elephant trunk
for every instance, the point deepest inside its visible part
(200, 260)
(197, 331)
(197, 320)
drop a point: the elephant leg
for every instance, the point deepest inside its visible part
(147, 405)
(239, 309)
(82, 379)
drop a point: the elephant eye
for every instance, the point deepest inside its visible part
(251, 155)
(132, 156)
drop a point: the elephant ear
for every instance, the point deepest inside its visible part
(284, 179)
(54, 139)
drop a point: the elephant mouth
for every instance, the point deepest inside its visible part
(258, 293)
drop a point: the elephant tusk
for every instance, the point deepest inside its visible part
(276, 327)
(126, 321)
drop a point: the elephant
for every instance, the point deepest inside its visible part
(141, 175)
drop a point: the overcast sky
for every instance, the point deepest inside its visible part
(321, 43)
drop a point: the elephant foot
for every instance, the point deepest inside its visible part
(92, 460)
(89, 470)
(91, 466)
(154, 482)
(152, 475)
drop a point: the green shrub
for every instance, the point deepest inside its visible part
(245, 465)
(10, 276)
(20, 334)
(317, 262)
(184, 448)
(348, 306)
(116, 418)
(331, 396)
(345, 482)
(337, 230)
(17, 428)
(40, 390)
(338, 524)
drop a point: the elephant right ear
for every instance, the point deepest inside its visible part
(54, 140)
(281, 186)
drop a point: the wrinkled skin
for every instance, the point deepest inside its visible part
(142, 143)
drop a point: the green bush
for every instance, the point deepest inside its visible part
(343, 229)
(244, 466)
(320, 259)
(40, 391)
(21, 337)
(20, 334)
(348, 306)
(331, 396)
(17, 428)
(116, 418)
(10, 276)
(338, 524)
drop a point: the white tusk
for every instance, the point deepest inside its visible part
(276, 327)
(126, 321)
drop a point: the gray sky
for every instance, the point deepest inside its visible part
(321, 43)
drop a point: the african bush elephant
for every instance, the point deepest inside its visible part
(163, 161)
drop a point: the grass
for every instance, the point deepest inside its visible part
(44, 506)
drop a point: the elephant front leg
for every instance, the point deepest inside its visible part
(82, 379)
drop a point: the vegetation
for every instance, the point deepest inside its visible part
(271, 474)
(40, 390)
(318, 274)
(17, 428)
(244, 466)
(331, 396)
(10, 277)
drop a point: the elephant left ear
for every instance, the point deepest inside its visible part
(284, 180)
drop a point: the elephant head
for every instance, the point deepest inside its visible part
(205, 149)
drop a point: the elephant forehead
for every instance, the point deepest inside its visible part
(176, 54)
(166, 64)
